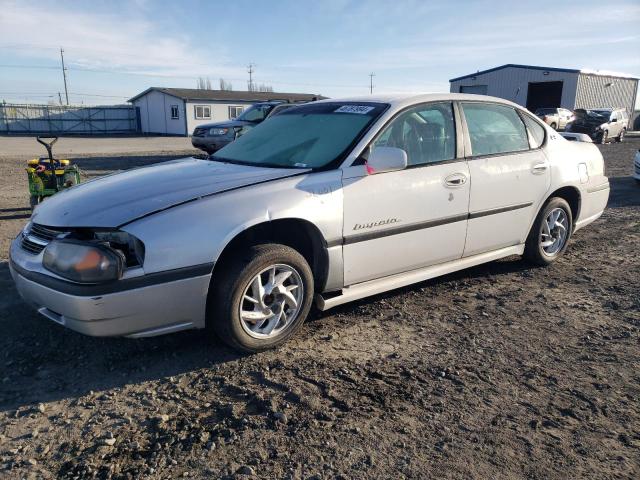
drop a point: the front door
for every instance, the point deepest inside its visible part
(400, 221)
(510, 176)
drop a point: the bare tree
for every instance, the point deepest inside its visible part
(264, 88)
(224, 85)
(204, 83)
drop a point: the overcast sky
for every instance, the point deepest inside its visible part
(116, 49)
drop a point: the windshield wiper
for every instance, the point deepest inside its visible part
(251, 164)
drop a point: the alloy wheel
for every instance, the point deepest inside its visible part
(271, 301)
(554, 232)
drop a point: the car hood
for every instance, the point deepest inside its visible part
(120, 198)
(226, 124)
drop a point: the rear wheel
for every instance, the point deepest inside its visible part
(604, 137)
(620, 137)
(550, 233)
(554, 126)
(260, 298)
(34, 200)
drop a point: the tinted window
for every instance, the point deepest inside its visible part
(256, 113)
(427, 133)
(536, 131)
(494, 129)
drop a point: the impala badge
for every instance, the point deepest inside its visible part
(379, 223)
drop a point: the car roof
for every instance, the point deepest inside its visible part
(407, 99)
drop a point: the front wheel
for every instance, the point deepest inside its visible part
(550, 233)
(554, 126)
(260, 298)
(620, 138)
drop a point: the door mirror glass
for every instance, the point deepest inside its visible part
(613, 120)
(386, 159)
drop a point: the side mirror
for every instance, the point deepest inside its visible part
(386, 159)
(613, 120)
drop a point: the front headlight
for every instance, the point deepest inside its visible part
(218, 131)
(83, 262)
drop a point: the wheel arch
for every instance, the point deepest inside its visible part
(299, 234)
(573, 198)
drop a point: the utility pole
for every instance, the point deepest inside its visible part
(64, 75)
(60, 98)
(250, 70)
(371, 75)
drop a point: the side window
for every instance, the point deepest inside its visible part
(494, 129)
(536, 131)
(426, 132)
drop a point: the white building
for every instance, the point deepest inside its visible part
(538, 87)
(177, 111)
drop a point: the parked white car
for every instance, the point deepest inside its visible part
(337, 199)
(556, 118)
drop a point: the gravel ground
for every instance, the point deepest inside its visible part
(500, 371)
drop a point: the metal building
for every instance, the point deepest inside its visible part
(537, 87)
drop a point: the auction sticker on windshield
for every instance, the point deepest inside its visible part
(361, 109)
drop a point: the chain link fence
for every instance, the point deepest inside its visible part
(66, 120)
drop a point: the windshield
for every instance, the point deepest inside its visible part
(256, 113)
(307, 136)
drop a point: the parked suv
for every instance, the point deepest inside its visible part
(334, 200)
(211, 137)
(556, 118)
(601, 124)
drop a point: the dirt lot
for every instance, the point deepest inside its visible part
(501, 371)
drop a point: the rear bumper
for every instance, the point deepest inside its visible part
(594, 201)
(146, 311)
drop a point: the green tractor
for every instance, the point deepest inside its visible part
(47, 176)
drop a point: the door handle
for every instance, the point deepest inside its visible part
(539, 168)
(455, 180)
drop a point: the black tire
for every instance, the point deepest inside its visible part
(554, 126)
(228, 287)
(34, 200)
(603, 137)
(533, 250)
(620, 137)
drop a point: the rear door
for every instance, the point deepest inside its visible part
(509, 172)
